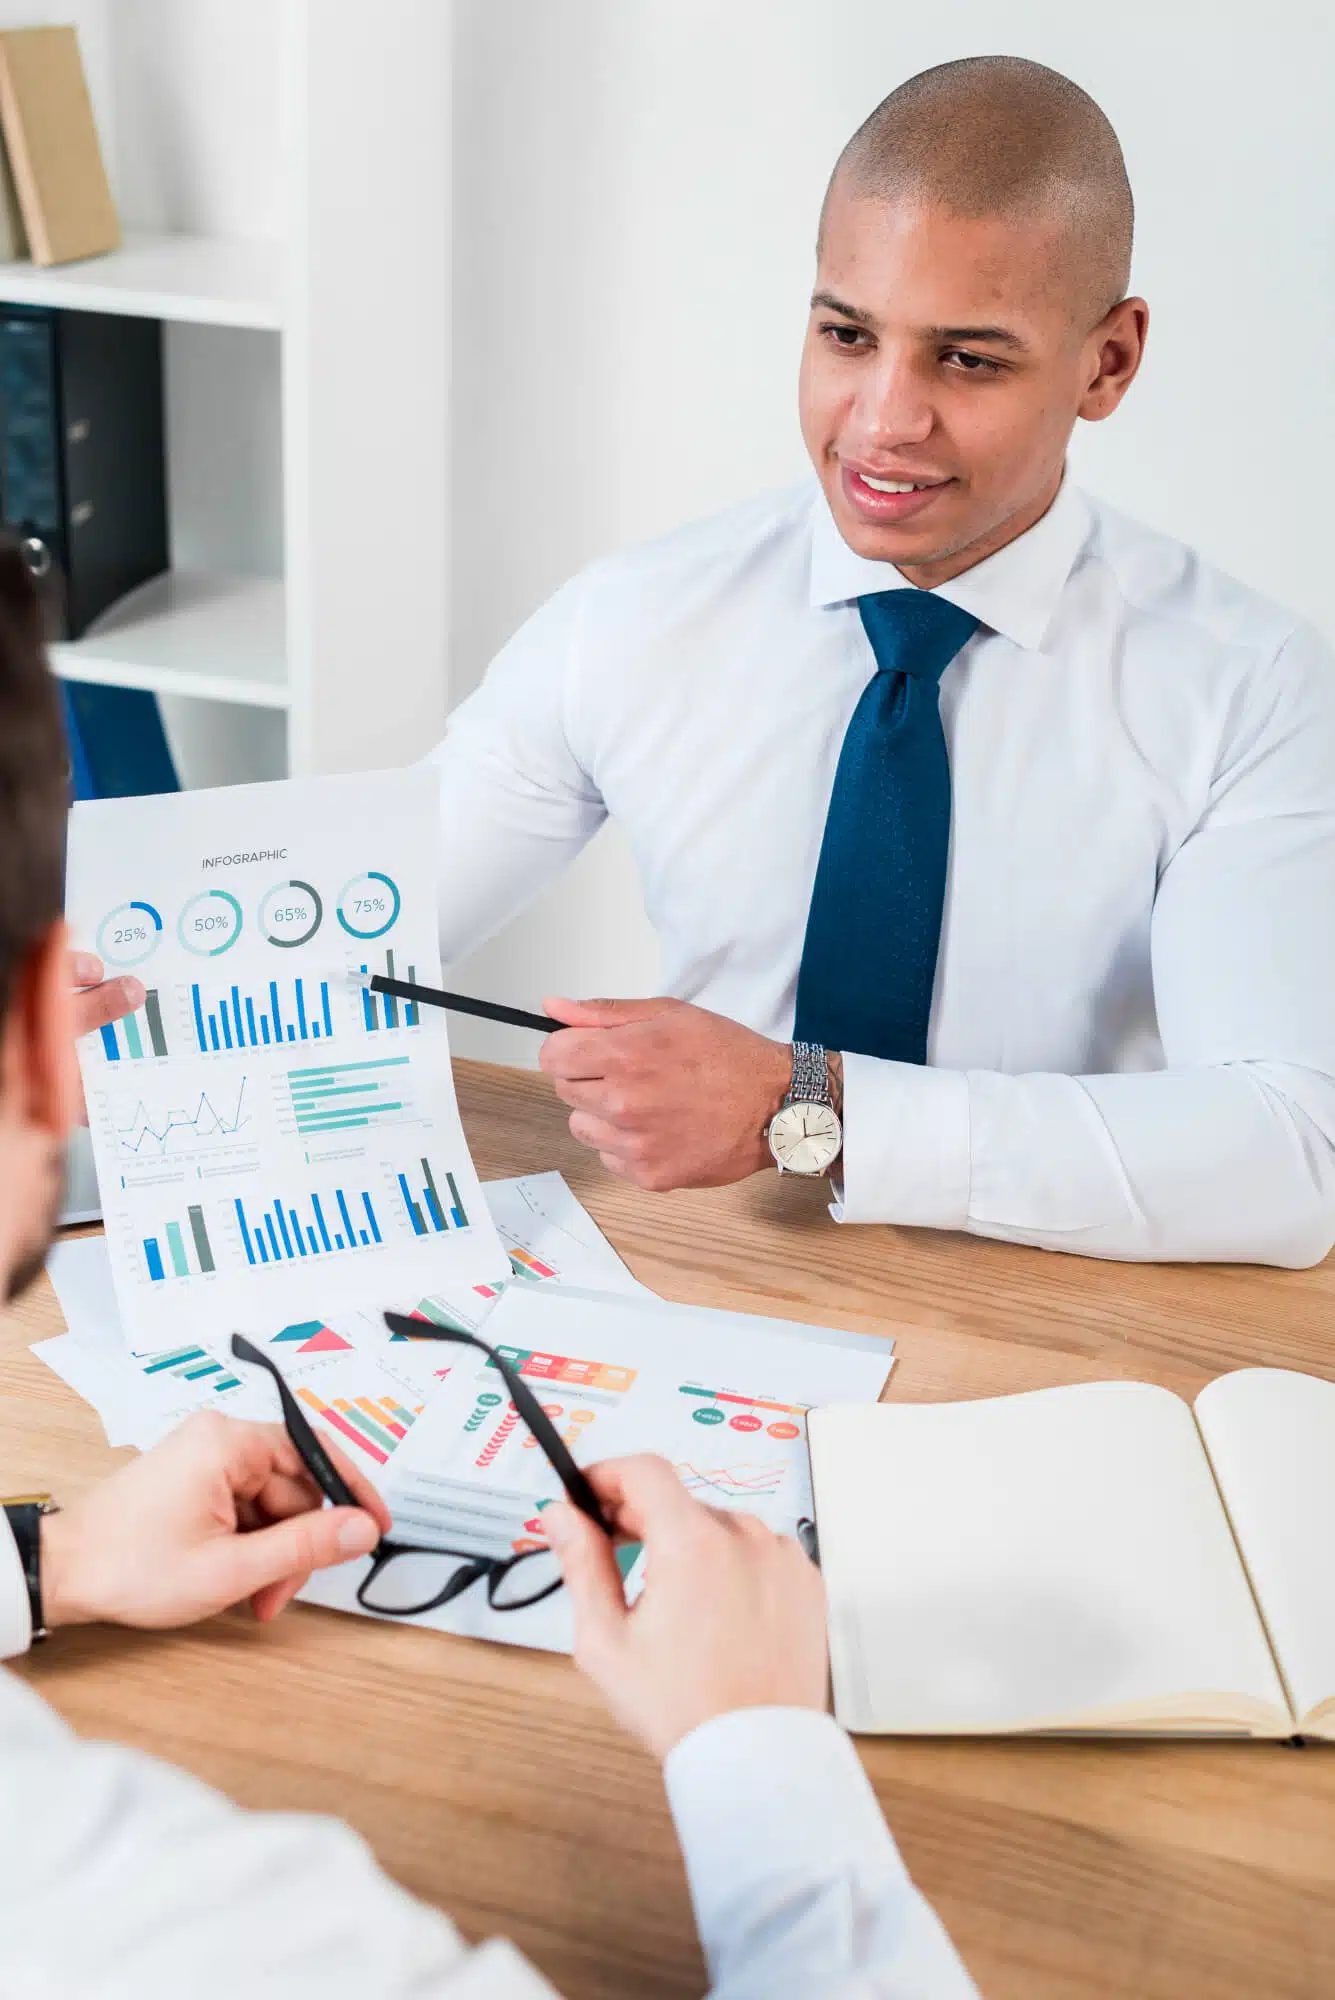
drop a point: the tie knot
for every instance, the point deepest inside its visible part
(914, 632)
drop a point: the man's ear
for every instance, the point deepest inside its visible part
(40, 1068)
(1116, 348)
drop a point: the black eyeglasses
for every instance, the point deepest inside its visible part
(407, 1578)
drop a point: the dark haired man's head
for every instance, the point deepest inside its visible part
(37, 1073)
(974, 252)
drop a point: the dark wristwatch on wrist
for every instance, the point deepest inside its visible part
(24, 1515)
(805, 1133)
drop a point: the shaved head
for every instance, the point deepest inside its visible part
(999, 136)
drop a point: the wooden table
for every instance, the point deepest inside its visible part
(489, 1781)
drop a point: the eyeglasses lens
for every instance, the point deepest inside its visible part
(414, 1581)
(530, 1577)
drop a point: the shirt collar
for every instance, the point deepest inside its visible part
(1014, 592)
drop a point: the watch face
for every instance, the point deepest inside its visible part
(805, 1138)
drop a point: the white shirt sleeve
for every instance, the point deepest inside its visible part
(1229, 1151)
(516, 802)
(121, 1877)
(798, 1888)
(15, 1618)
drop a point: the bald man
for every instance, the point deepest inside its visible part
(990, 838)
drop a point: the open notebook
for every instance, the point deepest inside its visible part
(1097, 1558)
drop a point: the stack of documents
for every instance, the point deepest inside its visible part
(723, 1396)
(279, 1153)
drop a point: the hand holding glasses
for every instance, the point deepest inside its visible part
(407, 1578)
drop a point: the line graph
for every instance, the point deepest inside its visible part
(733, 1482)
(153, 1134)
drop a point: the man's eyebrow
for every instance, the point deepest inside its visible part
(827, 302)
(998, 336)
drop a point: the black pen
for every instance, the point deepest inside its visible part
(456, 1003)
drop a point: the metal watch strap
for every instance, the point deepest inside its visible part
(25, 1520)
(811, 1075)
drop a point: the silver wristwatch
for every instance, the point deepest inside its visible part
(805, 1135)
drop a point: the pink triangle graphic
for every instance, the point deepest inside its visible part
(323, 1342)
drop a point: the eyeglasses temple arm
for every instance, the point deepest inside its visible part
(578, 1489)
(313, 1454)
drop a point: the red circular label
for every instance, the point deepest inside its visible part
(746, 1423)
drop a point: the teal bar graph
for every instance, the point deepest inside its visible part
(341, 1097)
(178, 1250)
(176, 1244)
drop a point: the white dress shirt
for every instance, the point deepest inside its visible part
(1132, 1046)
(123, 1879)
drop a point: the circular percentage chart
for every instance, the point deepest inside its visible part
(129, 934)
(210, 923)
(369, 905)
(291, 913)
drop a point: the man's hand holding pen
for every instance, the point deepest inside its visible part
(668, 1095)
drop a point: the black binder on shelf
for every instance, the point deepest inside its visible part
(83, 488)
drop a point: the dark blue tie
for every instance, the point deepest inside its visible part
(874, 927)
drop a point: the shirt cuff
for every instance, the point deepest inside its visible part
(762, 1793)
(906, 1145)
(15, 1617)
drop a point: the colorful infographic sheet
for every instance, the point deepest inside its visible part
(351, 1366)
(272, 1142)
(722, 1396)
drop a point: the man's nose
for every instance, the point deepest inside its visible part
(895, 408)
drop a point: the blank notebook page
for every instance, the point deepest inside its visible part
(1271, 1436)
(1028, 1561)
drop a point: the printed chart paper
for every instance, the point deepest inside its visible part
(723, 1396)
(550, 1240)
(140, 1397)
(272, 1143)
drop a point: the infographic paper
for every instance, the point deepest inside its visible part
(722, 1396)
(272, 1143)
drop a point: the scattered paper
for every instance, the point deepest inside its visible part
(723, 1396)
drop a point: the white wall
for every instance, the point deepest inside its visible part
(636, 193)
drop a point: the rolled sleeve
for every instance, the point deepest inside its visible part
(906, 1145)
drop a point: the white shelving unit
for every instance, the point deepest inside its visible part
(211, 637)
(206, 280)
(301, 273)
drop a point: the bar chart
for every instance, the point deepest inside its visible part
(189, 1253)
(525, 1265)
(190, 1364)
(430, 1212)
(382, 1010)
(568, 1369)
(340, 1097)
(287, 1231)
(283, 1010)
(375, 1424)
(139, 1035)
